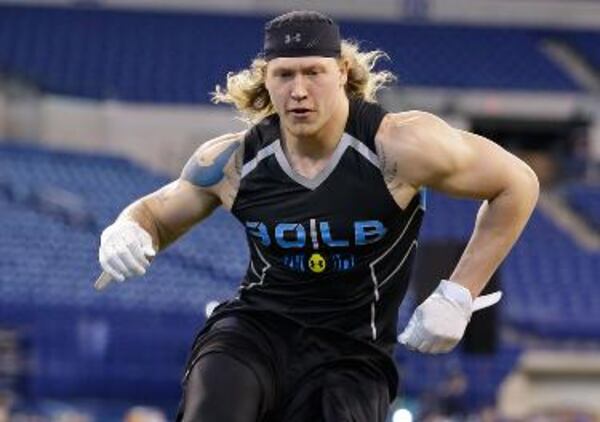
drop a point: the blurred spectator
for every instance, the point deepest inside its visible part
(452, 395)
(72, 416)
(5, 405)
(449, 401)
(144, 414)
(28, 417)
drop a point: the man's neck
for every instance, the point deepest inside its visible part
(321, 144)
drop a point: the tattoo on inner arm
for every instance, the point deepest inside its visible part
(233, 180)
(390, 173)
(210, 174)
(389, 168)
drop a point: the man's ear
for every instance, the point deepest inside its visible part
(265, 75)
(344, 65)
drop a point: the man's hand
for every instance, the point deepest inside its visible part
(124, 250)
(439, 323)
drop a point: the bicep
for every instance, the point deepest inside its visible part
(429, 152)
(480, 168)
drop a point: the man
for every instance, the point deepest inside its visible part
(327, 185)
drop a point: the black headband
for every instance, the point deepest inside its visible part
(299, 34)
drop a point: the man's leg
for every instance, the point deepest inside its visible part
(221, 389)
(340, 395)
(350, 397)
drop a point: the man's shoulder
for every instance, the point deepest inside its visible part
(207, 165)
(208, 150)
(411, 119)
(417, 146)
(410, 126)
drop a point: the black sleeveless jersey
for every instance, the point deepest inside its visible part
(333, 251)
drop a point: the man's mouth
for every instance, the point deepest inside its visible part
(299, 111)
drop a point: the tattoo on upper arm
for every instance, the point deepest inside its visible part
(390, 173)
(239, 160)
(389, 167)
(233, 171)
(233, 174)
(208, 174)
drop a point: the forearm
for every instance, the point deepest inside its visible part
(141, 212)
(170, 211)
(499, 223)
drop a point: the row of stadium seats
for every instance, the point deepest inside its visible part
(179, 58)
(45, 261)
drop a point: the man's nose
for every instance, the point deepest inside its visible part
(299, 92)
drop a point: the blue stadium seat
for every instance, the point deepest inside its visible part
(179, 58)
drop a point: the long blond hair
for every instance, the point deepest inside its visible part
(247, 92)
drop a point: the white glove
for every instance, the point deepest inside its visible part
(124, 248)
(438, 324)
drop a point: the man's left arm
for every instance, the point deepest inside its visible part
(427, 151)
(510, 190)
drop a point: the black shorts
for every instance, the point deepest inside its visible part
(306, 373)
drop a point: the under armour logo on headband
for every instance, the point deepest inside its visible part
(289, 38)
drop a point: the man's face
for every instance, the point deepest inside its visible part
(305, 91)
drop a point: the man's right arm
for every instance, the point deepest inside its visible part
(209, 179)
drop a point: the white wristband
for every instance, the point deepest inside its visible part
(457, 293)
(462, 295)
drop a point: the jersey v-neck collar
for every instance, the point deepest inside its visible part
(346, 141)
(314, 182)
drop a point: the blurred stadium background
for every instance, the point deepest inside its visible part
(102, 101)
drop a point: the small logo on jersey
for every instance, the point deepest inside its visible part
(317, 263)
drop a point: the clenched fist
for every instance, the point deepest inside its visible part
(124, 250)
(438, 324)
